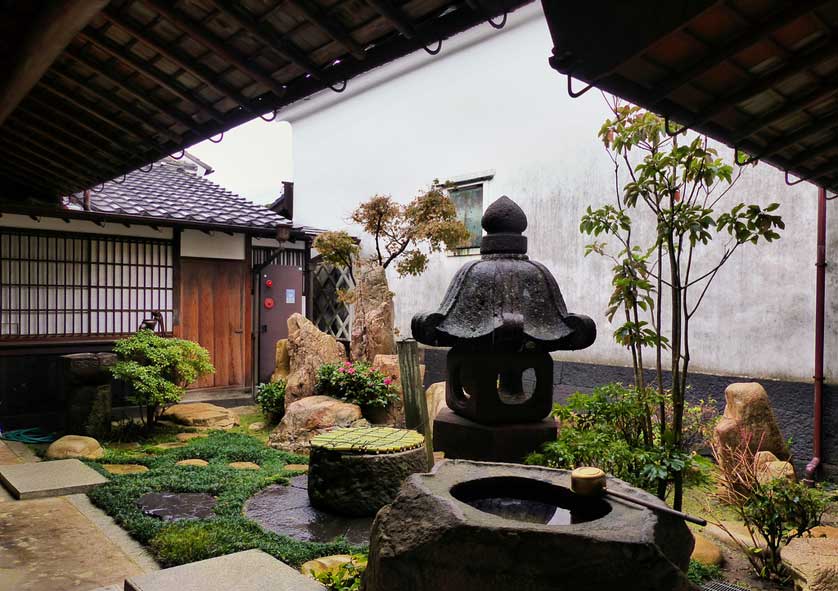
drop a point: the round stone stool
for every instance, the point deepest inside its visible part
(357, 471)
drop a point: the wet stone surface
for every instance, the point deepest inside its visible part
(286, 510)
(176, 506)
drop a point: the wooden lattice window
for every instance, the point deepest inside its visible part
(329, 313)
(55, 284)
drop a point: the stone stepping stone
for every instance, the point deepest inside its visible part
(122, 469)
(252, 570)
(201, 415)
(189, 436)
(296, 467)
(244, 466)
(170, 506)
(286, 510)
(49, 479)
(170, 445)
(193, 462)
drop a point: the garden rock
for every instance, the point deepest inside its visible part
(244, 465)
(325, 564)
(748, 411)
(122, 469)
(75, 446)
(706, 552)
(198, 463)
(813, 563)
(435, 397)
(389, 366)
(283, 361)
(256, 426)
(308, 349)
(775, 470)
(296, 467)
(372, 323)
(170, 506)
(190, 436)
(201, 414)
(311, 416)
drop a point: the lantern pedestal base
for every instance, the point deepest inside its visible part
(463, 439)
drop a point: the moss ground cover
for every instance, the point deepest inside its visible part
(229, 531)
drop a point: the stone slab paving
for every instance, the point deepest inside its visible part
(49, 545)
(286, 510)
(252, 570)
(49, 479)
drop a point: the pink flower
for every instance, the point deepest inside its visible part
(388, 381)
(347, 364)
(341, 370)
(351, 370)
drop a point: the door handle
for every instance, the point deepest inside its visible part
(238, 331)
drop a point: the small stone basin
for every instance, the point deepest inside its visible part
(529, 500)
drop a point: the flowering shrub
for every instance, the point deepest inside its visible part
(355, 382)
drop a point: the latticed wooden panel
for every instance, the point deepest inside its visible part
(330, 314)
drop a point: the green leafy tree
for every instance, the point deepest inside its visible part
(679, 182)
(158, 369)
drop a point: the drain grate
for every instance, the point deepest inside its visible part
(721, 586)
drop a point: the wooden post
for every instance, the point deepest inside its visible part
(415, 403)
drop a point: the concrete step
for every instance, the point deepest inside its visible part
(251, 570)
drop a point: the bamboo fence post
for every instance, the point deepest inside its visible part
(415, 403)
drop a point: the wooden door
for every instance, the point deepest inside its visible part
(215, 312)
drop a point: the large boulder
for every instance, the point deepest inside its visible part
(389, 366)
(283, 361)
(311, 416)
(308, 349)
(202, 415)
(707, 552)
(372, 323)
(813, 563)
(748, 413)
(75, 446)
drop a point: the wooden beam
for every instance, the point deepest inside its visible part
(330, 26)
(395, 15)
(144, 68)
(214, 44)
(815, 127)
(116, 103)
(56, 25)
(746, 39)
(180, 58)
(13, 171)
(51, 167)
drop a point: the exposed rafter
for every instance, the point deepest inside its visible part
(330, 26)
(214, 44)
(395, 15)
(741, 42)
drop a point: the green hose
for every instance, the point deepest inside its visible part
(31, 435)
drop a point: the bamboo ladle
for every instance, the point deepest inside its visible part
(590, 482)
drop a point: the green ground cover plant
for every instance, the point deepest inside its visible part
(174, 543)
(271, 399)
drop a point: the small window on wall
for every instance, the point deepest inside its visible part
(468, 199)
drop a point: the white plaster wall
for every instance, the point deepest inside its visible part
(82, 227)
(496, 104)
(212, 245)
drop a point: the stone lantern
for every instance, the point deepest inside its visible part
(501, 316)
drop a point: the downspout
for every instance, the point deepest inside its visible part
(820, 289)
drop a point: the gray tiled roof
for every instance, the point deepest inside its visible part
(170, 193)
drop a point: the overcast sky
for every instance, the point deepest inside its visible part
(252, 159)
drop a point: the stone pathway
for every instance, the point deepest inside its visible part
(62, 543)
